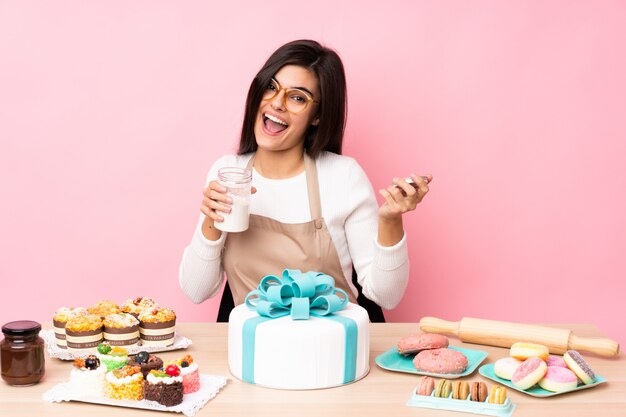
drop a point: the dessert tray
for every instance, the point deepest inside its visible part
(192, 403)
(536, 391)
(466, 406)
(391, 360)
(54, 351)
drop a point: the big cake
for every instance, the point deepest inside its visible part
(305, 338)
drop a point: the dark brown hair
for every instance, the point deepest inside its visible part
(332, 109)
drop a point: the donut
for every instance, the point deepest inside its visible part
(443, 388)
(425, 386)
(440, 361)
(419, 342)
(523, 351)
(498, 395)
(505, 367)
(529, 373)
(556, 361)
(576, 363)
(460, 390)
(558, 379)
(479, 392)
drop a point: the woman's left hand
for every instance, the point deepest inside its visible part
(402, 196)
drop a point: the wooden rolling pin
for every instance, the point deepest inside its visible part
(504, 334)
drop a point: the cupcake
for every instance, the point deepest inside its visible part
(121, 329)
(104, 308)
(87, 377)
(146, 361)
(189, 372)
(157, 326)
(83, 333)
(112, 357)
(137, 305)
(165, 387)
(60, 318)
(124, 384)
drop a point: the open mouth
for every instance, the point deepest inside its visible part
(273, 124)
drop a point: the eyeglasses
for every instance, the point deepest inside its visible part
(294, 99)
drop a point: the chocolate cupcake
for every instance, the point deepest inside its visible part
(121, 329)
(157, 327)
(166, 388)
(83, 333)
(60, 318)
(147, 362)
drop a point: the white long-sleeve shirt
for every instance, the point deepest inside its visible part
(349, 209)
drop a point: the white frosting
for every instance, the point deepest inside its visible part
(85, 382)
(190, 369)
(299, 354)
(166, 380)
(114, 380)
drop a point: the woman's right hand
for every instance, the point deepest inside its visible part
(215, 200)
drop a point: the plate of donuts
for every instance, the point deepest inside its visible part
(532, 370)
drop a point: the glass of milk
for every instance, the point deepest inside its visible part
(238, 184)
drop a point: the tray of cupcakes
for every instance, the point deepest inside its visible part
(138, 324)
(112, 377)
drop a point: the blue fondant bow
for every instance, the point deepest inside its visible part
(300, 294)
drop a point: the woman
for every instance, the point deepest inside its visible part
(313, 209)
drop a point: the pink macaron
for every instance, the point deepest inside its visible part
(558, 379)
(425, 386)
(529, 373)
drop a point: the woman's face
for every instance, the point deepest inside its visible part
(278, 129)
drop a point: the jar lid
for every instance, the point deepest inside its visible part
(21, 328)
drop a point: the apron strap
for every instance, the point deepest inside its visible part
(312, 184)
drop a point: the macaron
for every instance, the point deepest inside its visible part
(443, 388)
(460, 390)
(577, 364)
(505, 368)
(425, 385)
(523, 351)
(479, 391)
(529, 373)
(558, 379)
(498, 395)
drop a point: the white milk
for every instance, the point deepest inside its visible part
(237, 219)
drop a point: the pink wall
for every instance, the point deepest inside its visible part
(111, 114)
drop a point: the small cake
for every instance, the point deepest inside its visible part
(531, 371)
(189, 372)
(87, 377)
(136, 305)
(104, 308)
(121, 329)
(83, 333)
(157, 326)
(165, 387)
(523, 351)
(113, 357)
(558, 379)
(505, 367)
(146, 361)
(125, 383)
(60, 318)
(577, 364)
(556, 361)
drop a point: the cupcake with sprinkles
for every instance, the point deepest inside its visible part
(87, 377)
(124, 384)
(136, 305)
(60, 319)
(121, 329)
(83, 333)
(104, 308)
(189, 372)
(157, 327)
(112, 357)
(165, 387)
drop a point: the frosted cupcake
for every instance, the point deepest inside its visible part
(147, 362)
(137, 305)
(112, 357)
(157, 327)
(87, 377)
(121, 329)
(189, 372)
(83, 333)
(165, 387)
(104, 308)
(124, 384)
(60, 318)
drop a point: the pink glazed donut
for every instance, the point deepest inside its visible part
(416, 343)
(558, 379)
(440, 361)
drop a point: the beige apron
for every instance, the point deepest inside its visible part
(269, 246)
